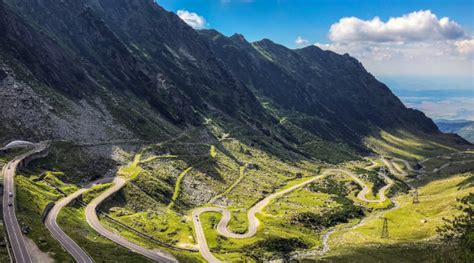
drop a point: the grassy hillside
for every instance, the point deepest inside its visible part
(411, 145)
(412, 226)
(168, 179)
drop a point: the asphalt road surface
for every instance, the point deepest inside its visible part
(93, 221)
(253, 221)
(51, 223)
(15, 236)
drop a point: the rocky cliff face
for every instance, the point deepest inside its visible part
(98, 70)
(137, 46)
(335, 90)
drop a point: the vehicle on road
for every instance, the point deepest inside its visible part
(10, 194)
(10, 204)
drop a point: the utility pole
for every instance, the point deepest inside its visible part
(385, 228)
(416, 200)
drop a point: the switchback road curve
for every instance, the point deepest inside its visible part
(93, 221)
(253, 221)
(51, 223)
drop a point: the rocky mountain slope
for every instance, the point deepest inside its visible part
(104, 70)
(337, 95)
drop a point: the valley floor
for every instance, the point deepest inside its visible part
(228, 201)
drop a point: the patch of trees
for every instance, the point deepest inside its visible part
(329, 186)
(276, 247)
(329, 219)
(342, 214)
(371, 176)
(459, 231)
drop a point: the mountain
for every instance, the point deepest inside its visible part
(463, 128)
(105, 70)
(329, 88)
(84, 53)
(192, 121)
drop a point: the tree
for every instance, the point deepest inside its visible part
(459, 231)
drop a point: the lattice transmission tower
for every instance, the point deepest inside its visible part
(385, 228)
(416, 199)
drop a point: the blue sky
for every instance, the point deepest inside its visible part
(412, 46)
(283, 20)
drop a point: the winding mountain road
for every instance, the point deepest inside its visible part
(94, 222)
(373, 165)
(15, 235)
(365, 189)
(325, 239)
(51, 223)
(222, 227)
(393, 168)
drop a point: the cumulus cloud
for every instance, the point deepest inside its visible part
(418, 43)
(194, 20)
(465, 46)
(437, 58)
(415, 26)
(300, 41)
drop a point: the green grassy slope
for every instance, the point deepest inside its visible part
(412, 227)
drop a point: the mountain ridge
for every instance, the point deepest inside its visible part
(149, 75)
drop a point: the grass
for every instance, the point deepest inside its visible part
(409, 223)
(52, 179)
(275, 224)
(167, 226)
(31, 199)
(244, 250)
(231, 187)
(415, 252)
(406, 145)
(182, 256)
(4, 257)
(147, 211)
(222, 247)
(133, 170)
(438, 162)
(159, 198)
(73, 222)
(263, 52)
(94, 191)
(177, 186)
(213, 151)
(153, 158)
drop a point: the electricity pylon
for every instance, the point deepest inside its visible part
(385, 228)
(416, 199)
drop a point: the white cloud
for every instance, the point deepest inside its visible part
(415, 26)
(465, 46)
(300, 41)
(192, 19)
(417, 43)
(435, 58)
